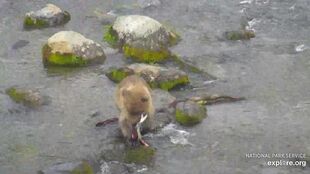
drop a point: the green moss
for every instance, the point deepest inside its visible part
(111, 36)
(141, 155)
(146, 56)
(168, 85)
(117, 75)
(24, 96)
(16, 95)
(57, 59)
(239, 35)
(187, 120)
(34, 23)
(84, 168)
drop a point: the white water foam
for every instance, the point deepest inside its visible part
(176, 136)
(300, 48)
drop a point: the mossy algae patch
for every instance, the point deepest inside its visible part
(57, 59)
(145, 55)
(110, 36)
(29, 98)
(239, 35)
(139, 155)
(190, 113)
(118, 74)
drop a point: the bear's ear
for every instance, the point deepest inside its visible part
(125, 92)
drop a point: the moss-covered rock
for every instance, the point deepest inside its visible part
(139, 155)
(145, 55)
(27, 97)
(141, 38)
(82, 167)
(190, 113)
(239, 35)
(49, 16)
(110, 36)
(68, 48)
(118, 74)
(156, 76)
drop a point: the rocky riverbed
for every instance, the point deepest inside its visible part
(256, 49)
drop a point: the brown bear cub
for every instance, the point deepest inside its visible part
(133, 98)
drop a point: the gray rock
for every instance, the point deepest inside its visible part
(189, 113)
(69, 48)
(82, 167)
(156, 76)
(28, 97)
(141, 38)
(49, 16)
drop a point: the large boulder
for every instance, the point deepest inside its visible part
(69, 48)
(141, 38)
(49, 16)
(156, 76)
(27, 97)
(189, 113)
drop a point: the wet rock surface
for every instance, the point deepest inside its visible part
(69, 48)
(49, 16)
(156, 76)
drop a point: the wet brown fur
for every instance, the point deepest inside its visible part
(133, 97)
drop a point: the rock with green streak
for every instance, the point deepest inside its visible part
(139, 155)
(141, 38)
(49, 16)
(82, 167)
(69, 48)
(239, 35)
(190, 113)
(118, 74)
(27, 97)
(156, 76)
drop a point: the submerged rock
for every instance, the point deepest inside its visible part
(189, 113)
(49, 16)
(239, 35)
(156, 76)
(141, 38)
(115, 167)
(82, 167)
(139, 155)
(69, 48)
(27, 97)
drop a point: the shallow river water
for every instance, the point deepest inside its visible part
(271, 70)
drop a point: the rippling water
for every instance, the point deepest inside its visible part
(271, 70)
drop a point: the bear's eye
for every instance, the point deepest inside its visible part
(144, 99)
